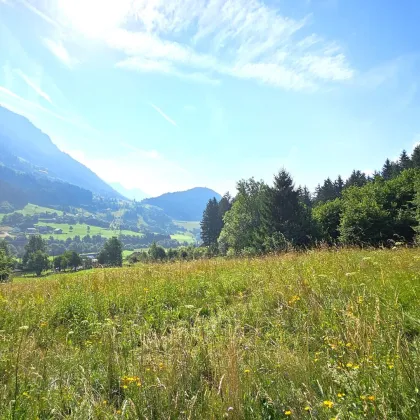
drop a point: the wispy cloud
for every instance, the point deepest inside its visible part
(201, 40)
(39, 13)
(34, 86)
(169, 119)
(58, 49)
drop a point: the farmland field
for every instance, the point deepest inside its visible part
(81, 230)
(317, 335)
(183, 237)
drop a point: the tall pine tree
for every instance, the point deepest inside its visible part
(211, 224)
(404, 161)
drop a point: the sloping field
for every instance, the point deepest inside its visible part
(319, 335)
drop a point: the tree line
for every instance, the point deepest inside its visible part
(36, 258)
(363, 210)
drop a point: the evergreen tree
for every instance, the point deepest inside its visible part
(390, 170)
(404, 161)
(284, 212)
(211, 224)
(111, 253)
(305, 196)
(415, 157)
(356, 179)
(338, 186)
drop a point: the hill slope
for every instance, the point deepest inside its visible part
(184, 205)
(26, 148)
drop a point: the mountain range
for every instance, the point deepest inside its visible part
(33, 169)
(38, 155)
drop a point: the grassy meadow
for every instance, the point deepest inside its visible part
(81, 229)
(320, 335)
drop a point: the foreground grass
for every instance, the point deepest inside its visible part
(322, 335)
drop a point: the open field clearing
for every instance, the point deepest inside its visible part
(81, 229)
(319, 335)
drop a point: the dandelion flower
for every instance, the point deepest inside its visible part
(371, 398)
(247, 371)
(288, 412)
(307, 408)
(328, 404)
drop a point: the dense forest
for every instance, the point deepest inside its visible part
(378, 210)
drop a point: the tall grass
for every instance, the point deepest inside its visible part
(319, 335)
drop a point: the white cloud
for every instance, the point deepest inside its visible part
(197, 39)
(167, 118)
(58, 49)
(34, 86)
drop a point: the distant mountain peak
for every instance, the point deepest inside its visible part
(184, 205)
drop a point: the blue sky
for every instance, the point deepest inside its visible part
(165, 95)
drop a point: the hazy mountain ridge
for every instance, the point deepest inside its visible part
(19, 138)
(184, 205)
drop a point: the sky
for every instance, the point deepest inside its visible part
(165, 95)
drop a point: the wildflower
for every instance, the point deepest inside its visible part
(328, 404)
(294, 299)
(104, 402)
(349, 365)
(341, 395)
(307, 408)
(371, 398)
(356, 367)
(288, 412)
(247, 371)
(348, 345)
(390, 366)
(230, 409)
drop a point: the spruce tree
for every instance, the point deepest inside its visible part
(415, 157)
(356, 179)
(404, 161)
(211, 224)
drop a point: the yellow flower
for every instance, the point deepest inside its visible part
(307, 408)
(294, 299)
(390, 366)
(349, 365)
(288, 413)
(341, 395)
(104, 402)
(328, 404)
(371, 398)
(247, 371)
(356, 367)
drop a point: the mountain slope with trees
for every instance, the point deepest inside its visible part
(26, 148)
